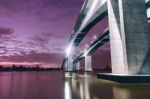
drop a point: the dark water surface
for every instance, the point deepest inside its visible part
(59, 85)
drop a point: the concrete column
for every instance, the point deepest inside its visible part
(129, 36)
(88, 63)
(65, 66)
(74, 66)
(70, 63)
(78, 65)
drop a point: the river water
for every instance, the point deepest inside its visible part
(59, 85)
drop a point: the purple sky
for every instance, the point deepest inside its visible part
(38, 31)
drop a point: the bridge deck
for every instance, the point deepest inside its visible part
(102, 39)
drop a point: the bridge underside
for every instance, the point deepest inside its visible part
(83, 26)
(129, 37)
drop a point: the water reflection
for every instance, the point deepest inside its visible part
(31, 85)
(76, 86)
(136, 91)
(120, 93)
(53, 85)
(87, 86)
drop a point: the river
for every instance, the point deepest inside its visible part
(60, 85)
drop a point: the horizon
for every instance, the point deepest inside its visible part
(38, 32)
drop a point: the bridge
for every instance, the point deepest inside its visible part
(95, 44)
(128, 34)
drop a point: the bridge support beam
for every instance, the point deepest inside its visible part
(69, 65)
(88, 63)
(78, 66)
(129, 37)
(65, 66)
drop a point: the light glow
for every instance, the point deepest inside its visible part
(86, 46)
(67, 90)
(68, 50)
(146, 1)
(148, 13)
(94, 37)
(85, 54)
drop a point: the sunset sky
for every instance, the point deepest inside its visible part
(38, 31)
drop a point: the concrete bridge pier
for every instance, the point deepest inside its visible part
(88, 63)
(129, 37)
(69, 63)
(65, 66)
(78, 66)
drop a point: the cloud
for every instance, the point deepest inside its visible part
(33, 56)
(42, 38)
(39, 39)
(48, 42)
(2, 47)
(4, 31)
(42, 28)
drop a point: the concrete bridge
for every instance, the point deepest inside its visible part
(95, 44)
(128, 33)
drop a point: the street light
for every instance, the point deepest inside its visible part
(94, 37)
(68, 50)
(86, 46)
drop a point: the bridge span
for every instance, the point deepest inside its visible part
(128, 33)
